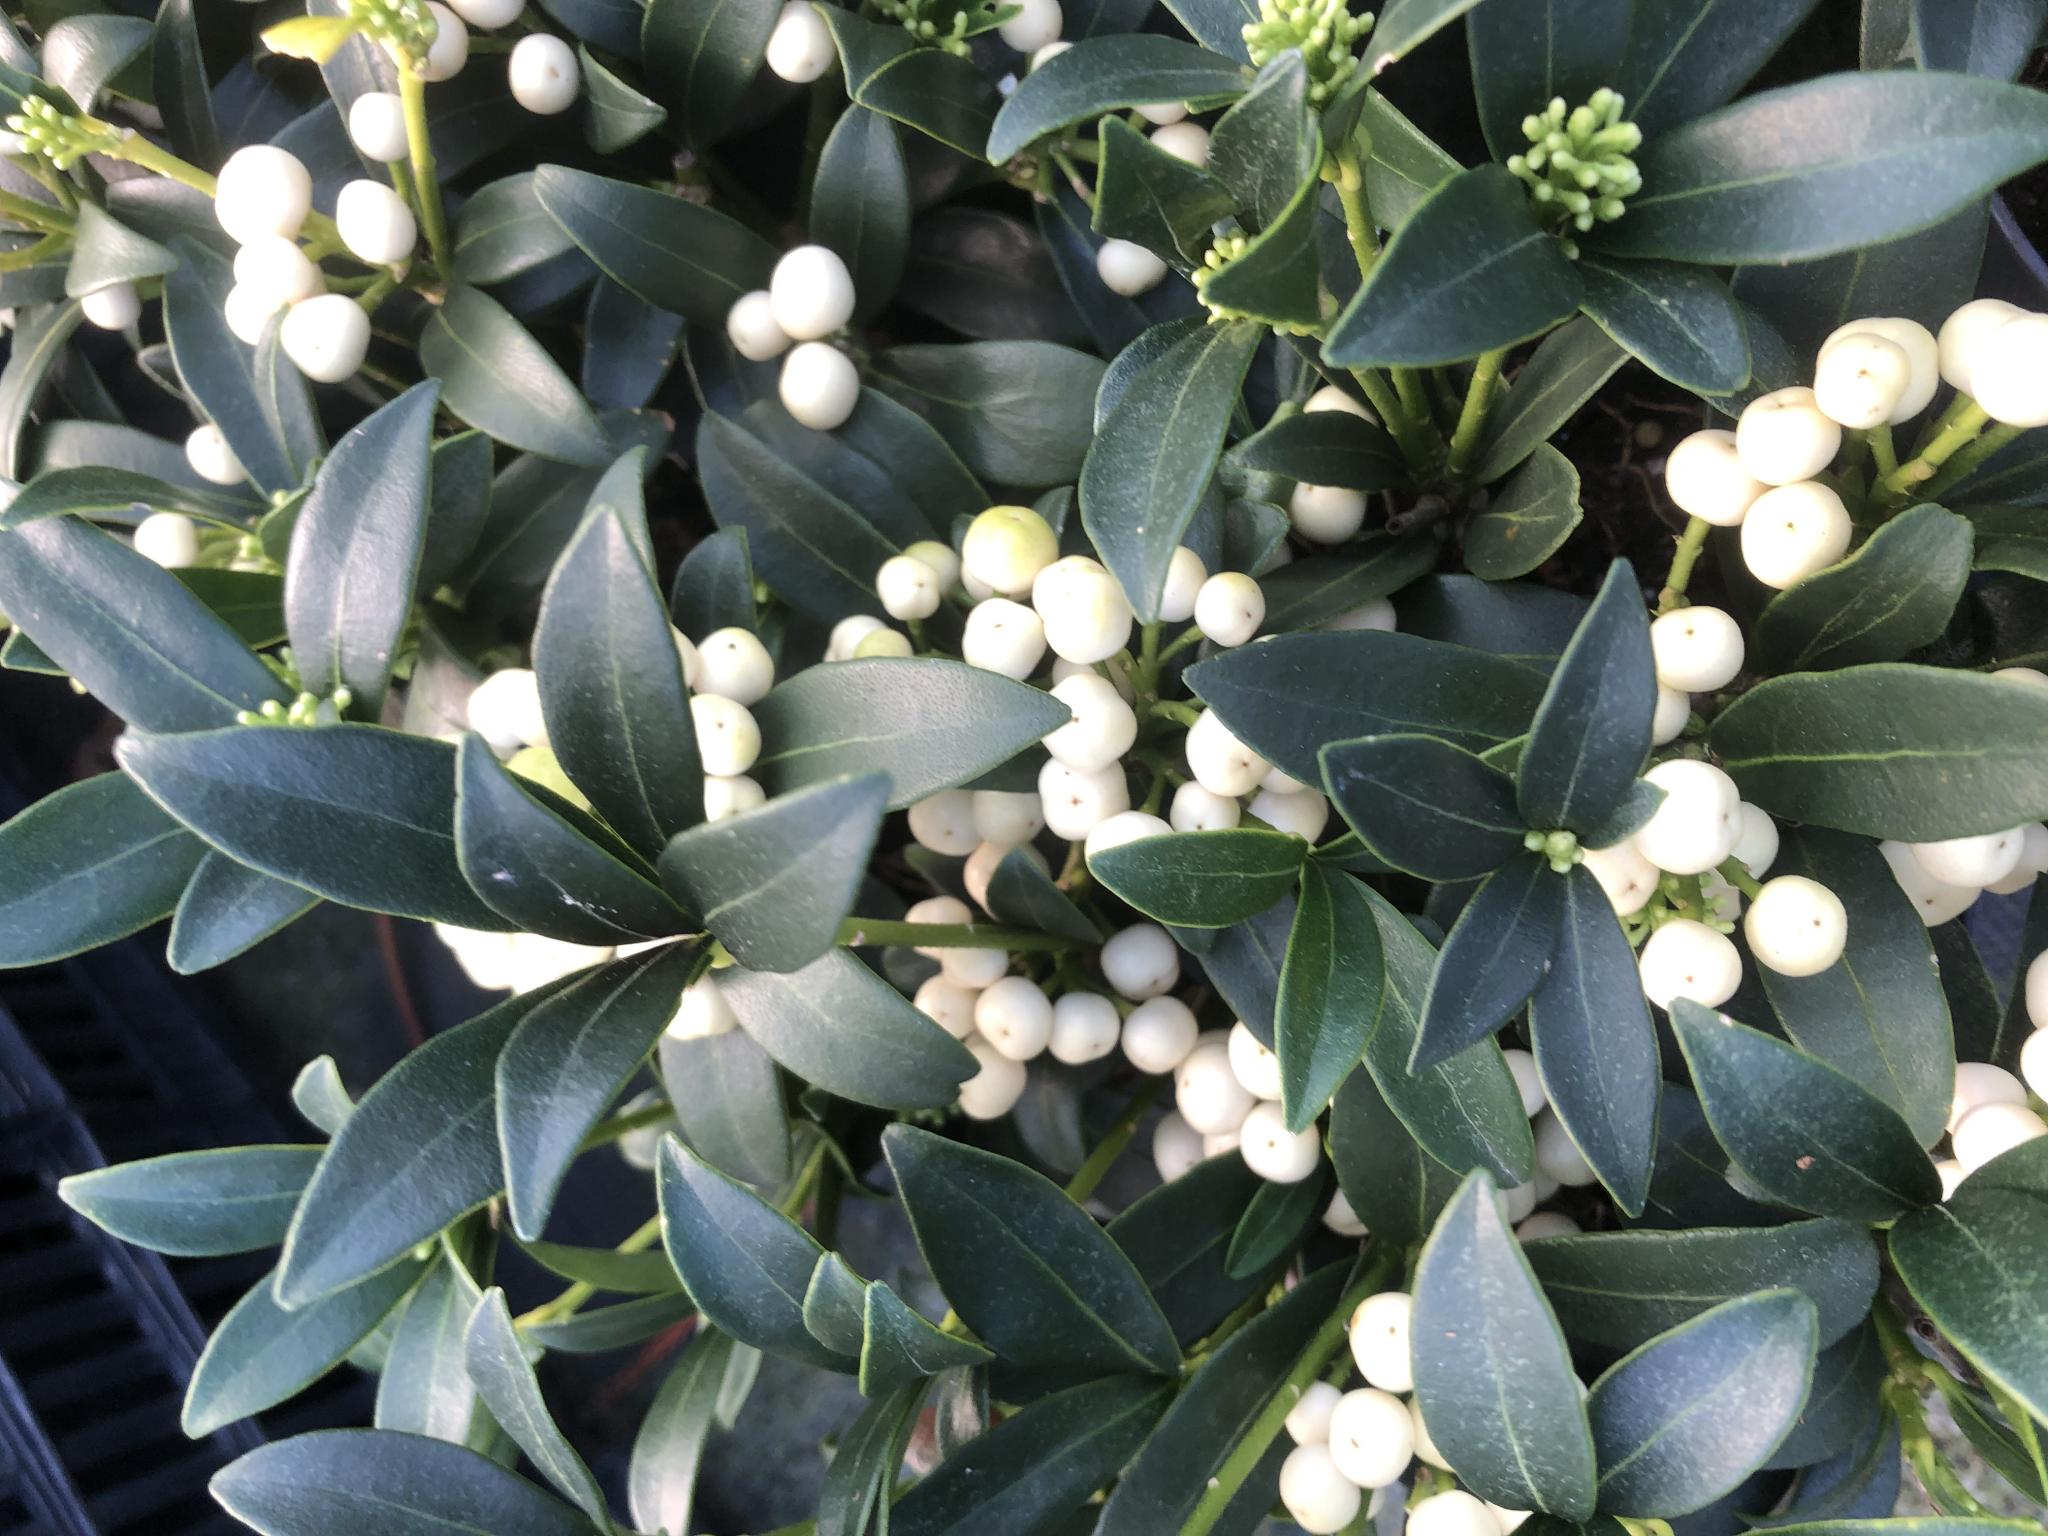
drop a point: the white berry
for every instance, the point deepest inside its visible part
(1688, 959)
(1546, 1224)
(1379, 1340)
(1205, 1090)
(750, 327)
(1979, 1083)
(1085, 1028)
(1274, 1153)
(1697, 649)
(375, 223)
(993, 1091)
(1756, 839)
(212, 460)
(1923, 359)
(946, 1004)
(2034, 991)
(1705, 478)
(1257, 1068)
(728, 740)
(1793, 531)
(1667, 721)
(1046, 55)
(1304, 812)
(450, 50)
(819, 386)
(1991, 1130)
(734, 664)
(1141, 962)
(974, 968)
(1185, 574)
(1036, 23)
(169, 539)
(276, 272)
(1229, 608)
(1103, 727)
(1860, 379)
(544, 74)
(2010, 376)
(946, 911)
(1522, 1067)
(262, 190)
(1371, 1437)
(1195, 809)
(811, 292)
(1693, 829)
(908, 588)
(1124, 827)
(1158, 1036)
(1007, 818)
(1963, 334)
(1975, 860)
(2034, 1062)
(941, 558)
(1935, 900)
(1006, 547)
(1326, 514)
(1557, 1155)
(376, 126)
(1332, 398)
(1784, 436)
(489, 14)
(248, 313)
(1221, 763)
(1176, 1147)
(1127, 268)
(882, 642)
(944, 823)
(1340, 1218)
(1015, 1016)
(112, 308)
(1452, 1513)
(1308, 1421)
(1087, 618)
(1629, 879)
(326, 337)
(1003, 636)
(730, 796)
(1796, 926)
(800, 48)
(1318, 1498)
(504, 709)
(1184, 141)
(1076, 803)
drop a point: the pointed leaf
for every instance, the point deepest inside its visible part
(834, 1304)
(425, 1388)
(1591, 734)
(221, 372)
(1425, 806)
(1394, 1187)
(497, 1365)
(860, 204)
(860, 1482)
(1152, 198)
(714, 586)
(1495, 956)
(942, 96)
(1323, 448)
(1679, 320)
(496, 377)
(898, 1346)
(661, 1480)
(1563, 373)
(1330, 987)
(728, 1101)
(1022, 895)
(1106, 74)
(1274, 1225)
(1527, 521)
(1276, 277)
(227, 909)
(1894, 595)
(229, 1200)
(1202, 879)
(1178, 1236)
(106, 252)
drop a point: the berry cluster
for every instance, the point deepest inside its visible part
(809, 299)
(1989, 1114)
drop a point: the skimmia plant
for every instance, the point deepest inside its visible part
(969, 604)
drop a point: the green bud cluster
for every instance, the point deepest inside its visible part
(1578, 168)
(1325, 31)
(944, 24)
(59, 136)
(1677, 896)
(1560, 847)
(406, 28)
(306, 709)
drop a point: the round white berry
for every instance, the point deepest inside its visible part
(811, 292)
(1318, 1498)
(1046, 55)
(1557, 1155)
(1157, 1036)
(1176, 1147)
(1185, 574)
(544, 74)
(276, 272)
(1076, 803)
(1003, 636)
(1452, 1513)
(1326, 514)
(1860, 379)
(1221, 763)
(1796, 926)
(1229, 608)
(1103, 727)
(1519, 1201)
(1005, 817)
(994, 1090)
(1694, 828)
(1629, 879)
(949, 911)
(1756, 839)
(1923, 359)
(728, 740)
(2033, 861)
(1991, 1130)
(973, 969)
(489, 14)
(1705, 478)
(1255, 1066)
(450, 50)
(248, 313)
(326, 337)
(1667, 722)
(848, 633)
(2034, 991)
(1425, 1448)
(1141, 962)
(1371, 1437)
(1274, 1153)
(1205, 1090)
(1124, 827)
(730, 796)
(1340, 1218)
(1979, 1083)
(1935, 900)
(1195, 809)
(1308, 1421)
(1085, 1028)
(800, 48)
(376, 126)
(1036, 23)
(750, 327)
(1128, 268)
(941, 558)
(908, 588)
(169, 539)
(375, 223)
(1793, 531)
(1522, 1067)
(1377, 614)
(1160, 113)
(734, 664)
(1784, 437)
(1217, 1143)
(262, 190)
(980, 867)
(1087, 618)
(819, 386)
(1546, 1224)
(944, 823)
(1331, 398)
(2034, 1062)
(2010, 375)
(882, 642)
(1379, 1340)
(112, 308)
(1015, 1016)
(1006, 547)
(1975, 860)
(1962, 337)
(1697, 649)
(504, 709)
(212, 460)
(1688, 959)
(1305, 812)
(1183, 141)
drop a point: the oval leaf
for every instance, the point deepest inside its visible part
(1202, 879)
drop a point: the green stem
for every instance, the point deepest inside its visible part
(34, 255)
(2024, 1429)
(1190, 636)
(643, 1237)
(137, 150)
(1358, 225)
(607, 1131)
(1074, 178)
(1147, 678)
(37, 216)
(1111, 1147)
(1683, 559)
(1966, 460)
(1884, 454)
(1897, 487)
(1478, 406)
(379, 290)
(412, 95)
(860, 932)
(1941, 423)
(1737, 874)
(1179, 713)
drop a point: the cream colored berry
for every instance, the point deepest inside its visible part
(1157, 1037)
(1697, 649)
(1705, 479)
(1783, 437)
(944, 823)
(1793, 531)
(1371, 1437)
(1379, 1340)
(1141, 962)
(1796, 926)
(1273, 1152)
(994, 1090)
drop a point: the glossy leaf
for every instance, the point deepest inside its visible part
(860, 1482)
(1914, 753)
(942, 96)
(1563, 373)
(860, 204)
(425, 1388)
(1678, 320)
(229, 1200)
(1493, 1377)
(1528, 521)
(1686, 59)
(1617, 1290)
(1016, 412)
(1408, 24)
(836, 1024)
(662, 1476)
(1591, 734)
(1276, 277)
(700, 56)
(1105, 74)
(1525, 54)
(774, 882)
(601, 1330)
(1022, 895)
(1495, 956)
(1329, 992)
(223, 374)
(503, 231)
(1178, 1236)
(226, 909)
(1892, 596)
(727, 1097)
(1685, 1418)
(898, 1346)
(1425, 806)
(834, 1303)
(355, 813)
(1279, 1218)
(1152, 460)
(568, 1060)
(496, 377)
(1469, 271)
(1202, 879)
(497, 1365)
(714, 586)
(178, 77)
(1025, 1267)
(1322, 448)
(1596, 1051)
(615, 114)
(1152, 198)
(1395, 1187)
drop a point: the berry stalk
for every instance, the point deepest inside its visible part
(412, 94)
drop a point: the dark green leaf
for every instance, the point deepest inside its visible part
(1847, 1378)
(1407, 24)
(1976, 1264)
(1157, 200)
(178, 80)
(1022, 895)
(860, 204)
(904, 717)
(898, 1345)
(459, 502)
(1914, 753)
(1322, 448)
(1329, 994)
(1993, 39)
(1106, 74)
(860, 1482)
(1688, 1416)
(837, 1024)
(1406, 165)
(424, 1388)
(2006, 538)
(774, 882)
(334, 1481)
(611, 682)
(1892, 596)
(503, 231)
(714, 586)
(1243, 964)
(1528, 519)
(108, 252)
(1037, 1465)
(1469, 271)
(1496, 954)
(1524, 54)
(1279, 1217)
(746, 1265)
(1492, 1375)
(226, 909)
(1679, 320)
(1267, 145)
(104, 495)
(1217, 25)
(1017, 412)
(1152, 461)
(496, 377)
(661, 1480)
(230, 1200)
(1025, 1267)
(497, 1365)
(1690, 57)
(1308, 593)
(37, 346)
(1591, 734)
(727, 1098)
(630, 1274)
(600, 1330)
(1276, 277)
(1792, 173)
(568, 1060)
(943, 96)
(1178, 1235)
(1394, 1187)
(420, 1150)
(1202, 879)
(319, 1096)
(834, 1303)
(614, 113)
(220, 371)
(1596, 1050)
(355, 813)
(1563, 373)
(262, 1355)
(701, 55)
(1423, 805)
(1286, 697)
